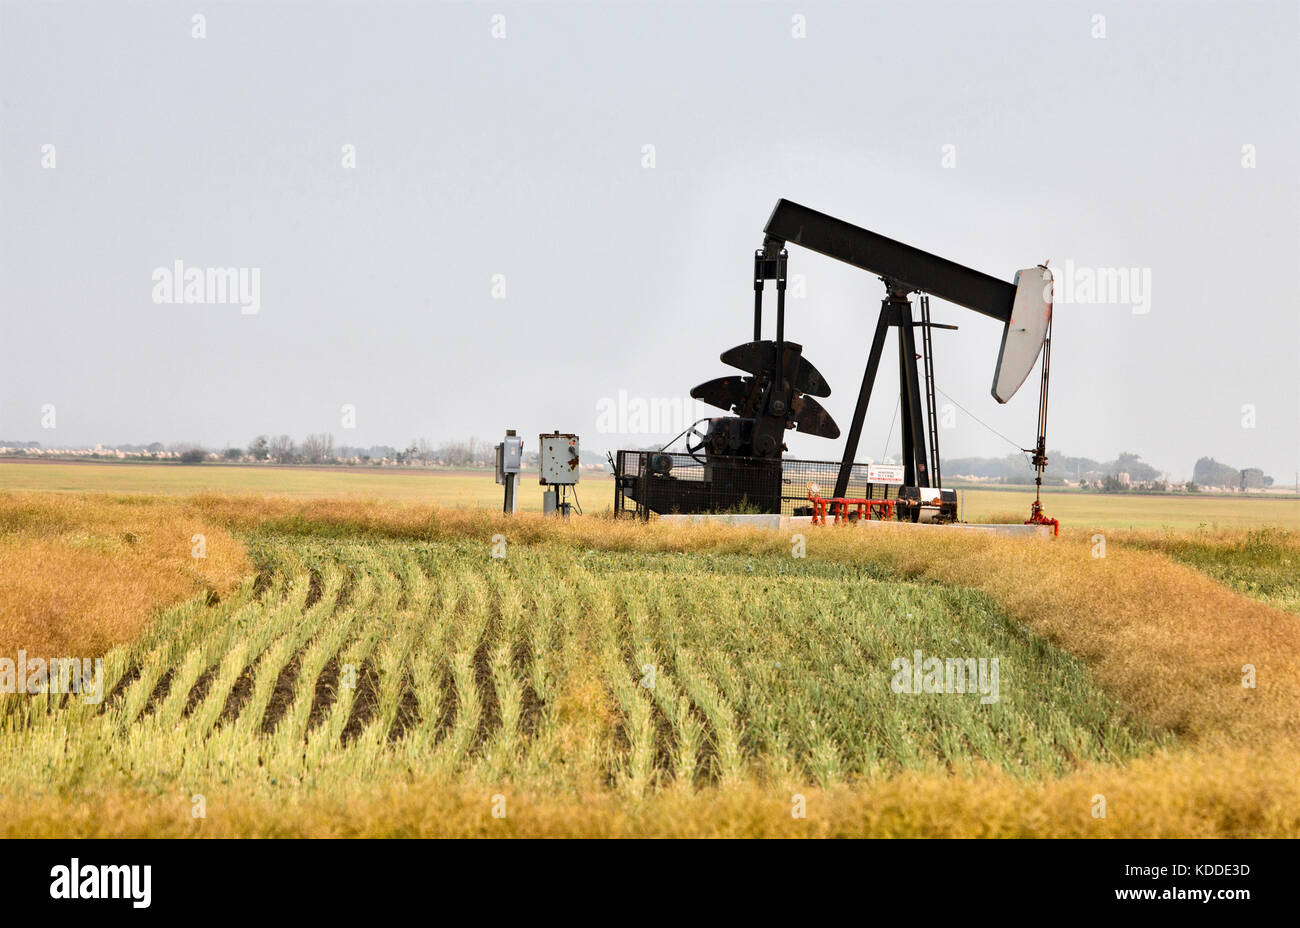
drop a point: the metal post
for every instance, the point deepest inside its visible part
(905, 404)
(509, 453)
(780, 323)
(512, 501)
(931, 410)
(1040, 447)
(914, 450)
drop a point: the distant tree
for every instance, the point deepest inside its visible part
(318, 448)
(454, 453)
(154, 447)
(260, 449)
(283, 449)
(423, 449)
(1192, 487)
(233, 454)
(1210, 473)
(1133, 465)
(1252, 478)
(1110, 484)
(193, 456)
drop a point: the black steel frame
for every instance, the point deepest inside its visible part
(904, 270)
(913, 268)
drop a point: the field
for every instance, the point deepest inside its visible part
(468, 489)
(394, 658)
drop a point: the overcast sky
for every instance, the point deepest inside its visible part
(623, 267)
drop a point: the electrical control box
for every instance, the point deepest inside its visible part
(558, 459)
(510, 456)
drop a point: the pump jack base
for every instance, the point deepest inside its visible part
(1036, 517)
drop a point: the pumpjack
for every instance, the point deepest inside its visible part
(779, 387)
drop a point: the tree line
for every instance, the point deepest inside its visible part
(319, 448)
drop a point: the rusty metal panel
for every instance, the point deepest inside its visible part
(558, 458)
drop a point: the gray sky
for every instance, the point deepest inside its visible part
(523, 156)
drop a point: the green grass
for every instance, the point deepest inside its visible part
(529, 670)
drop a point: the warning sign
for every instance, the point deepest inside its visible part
(885, 473)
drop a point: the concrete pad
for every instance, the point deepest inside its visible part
(749, 520)
(786, 523)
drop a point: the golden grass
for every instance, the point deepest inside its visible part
(1238, 793)
(80, 575)
(1166, 639)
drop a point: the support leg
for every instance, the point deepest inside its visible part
(905, 404)
(864, 397)
(916, 459)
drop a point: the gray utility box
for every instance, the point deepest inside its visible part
(510, 457)
(558, 459)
